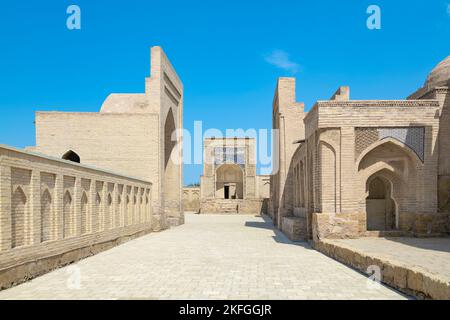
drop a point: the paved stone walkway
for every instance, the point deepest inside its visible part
(429, 254)
(210, 257)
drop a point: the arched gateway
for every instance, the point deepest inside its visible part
(229, 182)
(380, 207)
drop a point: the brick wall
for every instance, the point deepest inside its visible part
(51, 207)
(191, 199)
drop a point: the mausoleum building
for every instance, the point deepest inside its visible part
(229, 183)
(352, 168)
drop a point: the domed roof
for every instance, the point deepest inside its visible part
(440, 76)
(125, 103)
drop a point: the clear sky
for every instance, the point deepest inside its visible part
(227, 53)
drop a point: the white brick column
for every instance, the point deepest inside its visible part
(150, 207)
(58, 226)
(33, 234)
(281, 170)
(123, 196)
(92, 205)
(103, 207)
(132, 206)
(115, 206)
(76, 226)
(348, 170)
(5, 208)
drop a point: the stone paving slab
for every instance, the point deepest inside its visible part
(210, 257)
(415, 265)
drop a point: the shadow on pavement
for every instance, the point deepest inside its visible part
(436, 244)
(279, 236)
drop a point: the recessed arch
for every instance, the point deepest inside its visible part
(18, 217)
(400, 168)
(72, 156)
(328, 177)
(171, 187)
(46, 216)
(128, 211)
(386, 141)
(229, 181)
(108, 211)
(84, 213)
(67, 214)
(381, 206)
(96, 213)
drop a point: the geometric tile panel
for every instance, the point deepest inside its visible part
(413, 137)
(232, 155)
(364, 138)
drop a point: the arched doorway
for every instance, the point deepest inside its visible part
(229, 182)
(391, 180)
(18, 218)
(380, 207)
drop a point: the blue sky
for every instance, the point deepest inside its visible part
(227, 53)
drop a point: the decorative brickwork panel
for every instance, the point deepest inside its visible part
(413, 137)
(364, 138)
(223, 155)
(50, 204)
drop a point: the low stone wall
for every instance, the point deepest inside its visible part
(337, 225)
(294, 228)
(54, 212)
(236, 206)
(425, 224)
(406, 278)
(353, 225)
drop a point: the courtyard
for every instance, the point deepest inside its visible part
(209, 257)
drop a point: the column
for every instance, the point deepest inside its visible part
(115, 206)
(132, 206)
(5, 208)
(58, 210)
(349, 201)
(103, 207)
(33, 235)
(91, 228)
(76, 226)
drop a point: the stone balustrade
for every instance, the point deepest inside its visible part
(54, 212)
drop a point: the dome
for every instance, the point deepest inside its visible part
(440, 76)
(125, 103)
